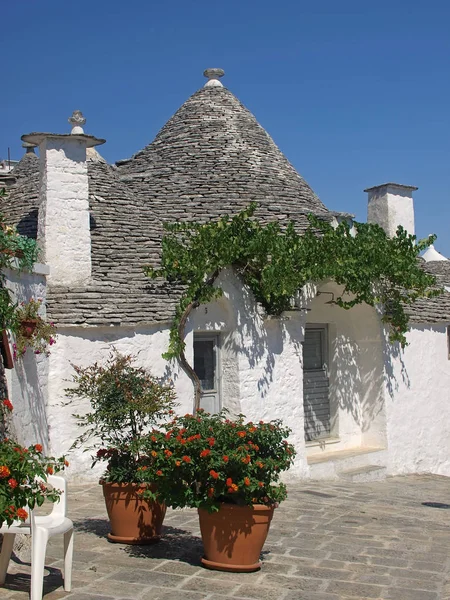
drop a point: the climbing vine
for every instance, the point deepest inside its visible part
(275, 262)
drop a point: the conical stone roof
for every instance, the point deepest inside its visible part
(213, 157)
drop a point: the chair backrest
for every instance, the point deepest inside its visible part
(59, 483)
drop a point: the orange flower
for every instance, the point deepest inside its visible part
(139, 492)
(252, 429)
(186, 459)
(4, 472)
(7, 404)
(38, 447)
(260, 483)
(178, 463)
(153, 453)
(255, 447)
(167, 453)
(210, 492)
(214, 474)
(211, 441)
(229, 482)
(66, 463)
(159, 473)
(246, 460)
(12, 483)
(153, 438)
(247, 481)
(241, 434)
(204, 453)
(260, 464)
(225, 458)
(22, 514)
(233, 488)
(50, 470)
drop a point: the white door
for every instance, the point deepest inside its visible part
(316, 400)
(206, 366)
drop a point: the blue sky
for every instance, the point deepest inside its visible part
(355, 93)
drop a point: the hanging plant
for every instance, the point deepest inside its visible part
(32, 330)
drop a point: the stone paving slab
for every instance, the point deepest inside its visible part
(328, 541)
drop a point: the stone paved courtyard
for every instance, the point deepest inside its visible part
(328, 541)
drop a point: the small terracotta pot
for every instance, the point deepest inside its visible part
(234, 536)
(27, 327)
(133, 520)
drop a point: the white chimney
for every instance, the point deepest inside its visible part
(63, 225)
(391, 205)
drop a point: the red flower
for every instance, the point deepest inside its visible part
(211, 441)
(4, 472)
(225, 458)
(229, 482)
(178, 463)
(204, 453)
(168, 435)
(153, 438)
(8, 404)
(241, 434)
(38, 447)
(210, 492)
(246, 460)
(233, 488)
(50, 470)
(22, 514)
(186, 459)
(259, 464)
(159, 473)
(247, 481)
(12, 483)
(260, 483)
(167, 453)
(66, 463)
(214, 474)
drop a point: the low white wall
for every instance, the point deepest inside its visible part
(27, 382)
(418, 403)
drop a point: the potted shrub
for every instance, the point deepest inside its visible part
(229, 470)
(23, 472)
(32, 330)
(124, 401)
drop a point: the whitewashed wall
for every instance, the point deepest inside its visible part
(27, 382)
(261, 360)
(418, 403)
(355, 372)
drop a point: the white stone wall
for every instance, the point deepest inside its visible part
(27, 382)
(63, 228)
(418, 403)
(261, 360)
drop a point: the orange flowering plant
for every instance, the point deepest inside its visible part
(23, 472)
(204, 460)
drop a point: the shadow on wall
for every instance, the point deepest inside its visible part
(357, 380)
(392, 355)
(261, 339)
(28, 379)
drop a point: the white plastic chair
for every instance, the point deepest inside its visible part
(41, 528)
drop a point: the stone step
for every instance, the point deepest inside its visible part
(364, 474)
(329, 465)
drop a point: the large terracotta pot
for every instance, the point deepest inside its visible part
(133, 519)
(234, 536)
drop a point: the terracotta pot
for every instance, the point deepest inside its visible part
(27, 327)
(133, 520)
(234, 536)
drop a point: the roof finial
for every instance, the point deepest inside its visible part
(213, 76)
(29, 147)
(77, 121)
